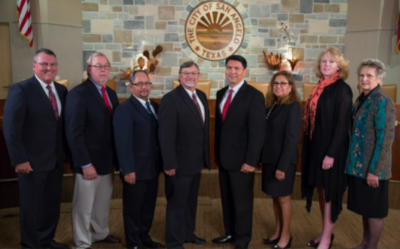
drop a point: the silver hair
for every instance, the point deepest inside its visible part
(380, 69)
(97, 54)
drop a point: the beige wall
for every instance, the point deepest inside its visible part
(57, 25)
(370, 33)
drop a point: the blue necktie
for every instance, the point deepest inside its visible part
(150, 112)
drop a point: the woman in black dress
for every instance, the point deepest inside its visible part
(325, 142)
(279, 156)
(369, 161)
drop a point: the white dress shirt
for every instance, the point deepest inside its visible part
(53, 88)
(144, 105)
(235, 90)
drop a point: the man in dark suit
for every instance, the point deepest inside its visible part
(239, 136)
(88, 124)
(136, 142)
(33, 131)
(183, 133)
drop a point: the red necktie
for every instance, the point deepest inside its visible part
(226, 105)
(103, 89)
(53, 101)
(198, 106)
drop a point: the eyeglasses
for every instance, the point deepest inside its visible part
(190, 73)
(141, 84)
(282, 84)
(45, 64)
(99, 67)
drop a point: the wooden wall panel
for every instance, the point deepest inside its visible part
(5, 61)
(396, 148)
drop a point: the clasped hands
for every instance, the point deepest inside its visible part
(245, 169)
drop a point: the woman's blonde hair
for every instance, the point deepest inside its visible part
(292, 96)
(338, 57)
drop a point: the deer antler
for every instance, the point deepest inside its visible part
(158, 50)
(293, 62)
(273, 61)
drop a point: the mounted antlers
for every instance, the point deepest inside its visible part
(273, 61)
(151, 63)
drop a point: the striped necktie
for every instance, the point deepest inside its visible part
(150, 112)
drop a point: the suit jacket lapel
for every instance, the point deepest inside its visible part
(277, 109)
(364, 107)
(43, 96)
(155, 106)
(205, 104)
(140, 108)
(219, 100)
(190, 104)
(111, 94)
(239, 95)
(93, 89)
(59, 90)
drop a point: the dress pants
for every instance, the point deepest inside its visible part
(237, 204)
(90, 206)
(40, 197)
(139, 202)
(181, 193)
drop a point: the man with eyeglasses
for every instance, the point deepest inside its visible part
(136, 142)
(33, 131)
(239, 138)
(183, 133)
(88, 122)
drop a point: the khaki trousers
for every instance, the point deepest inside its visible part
(90, 206)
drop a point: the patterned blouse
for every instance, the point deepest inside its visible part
(372, 136)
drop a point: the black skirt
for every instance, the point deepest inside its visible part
(368, 201)
(271, 186)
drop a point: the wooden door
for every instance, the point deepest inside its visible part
(5, 60)
(396, 147)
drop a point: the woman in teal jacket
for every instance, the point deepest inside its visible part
(369, 159)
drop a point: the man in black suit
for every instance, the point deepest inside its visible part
(33, 131)
(183, 133)
(88, 123)
(239, 136)
(136, 142)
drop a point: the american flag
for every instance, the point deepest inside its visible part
(398, 32)
(25, 20)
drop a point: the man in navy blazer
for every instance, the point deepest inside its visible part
(184, 142)
(89, 111)
(33, 131)
(136, 142)
(239, 138)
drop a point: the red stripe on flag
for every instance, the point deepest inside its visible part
(25, 19)
(398, 33)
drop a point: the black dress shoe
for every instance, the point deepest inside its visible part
(224, 239)
(138, 247)
(152, 244)
(240, 247)
(288, 245)
(110, 239)
(196, 241)
(267, 241)
(54, 245)
(312, 243)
